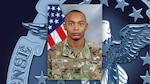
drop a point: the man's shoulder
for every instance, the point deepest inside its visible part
(58, 45)
(92, 45)
(56, 50)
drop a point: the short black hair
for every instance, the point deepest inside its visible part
(76, 11)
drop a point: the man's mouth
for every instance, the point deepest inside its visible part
(76, 34)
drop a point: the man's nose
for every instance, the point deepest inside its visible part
(76, 27)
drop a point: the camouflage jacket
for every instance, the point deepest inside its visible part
(63, 65)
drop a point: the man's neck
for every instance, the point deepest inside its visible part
(75, 43)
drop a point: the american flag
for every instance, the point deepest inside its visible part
(56, 32)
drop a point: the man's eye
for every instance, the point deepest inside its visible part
(70, 24)
(81, 24)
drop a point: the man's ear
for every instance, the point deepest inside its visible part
(86, 26)
(64, 25)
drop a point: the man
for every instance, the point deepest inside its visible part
(75, 58)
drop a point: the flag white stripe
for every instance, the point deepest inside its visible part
(48, 46)
(63, 29)
(55, 37)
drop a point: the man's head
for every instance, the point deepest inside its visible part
(75, 25)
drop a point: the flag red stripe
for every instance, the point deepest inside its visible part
(61, 33)
(50, 40)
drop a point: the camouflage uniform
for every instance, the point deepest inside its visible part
(64, 65)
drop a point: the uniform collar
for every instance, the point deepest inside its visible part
(85, 52)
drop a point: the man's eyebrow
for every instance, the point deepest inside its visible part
(70, 21)
(74, 21)
(81, 21)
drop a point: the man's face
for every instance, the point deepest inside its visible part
(75, 25)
